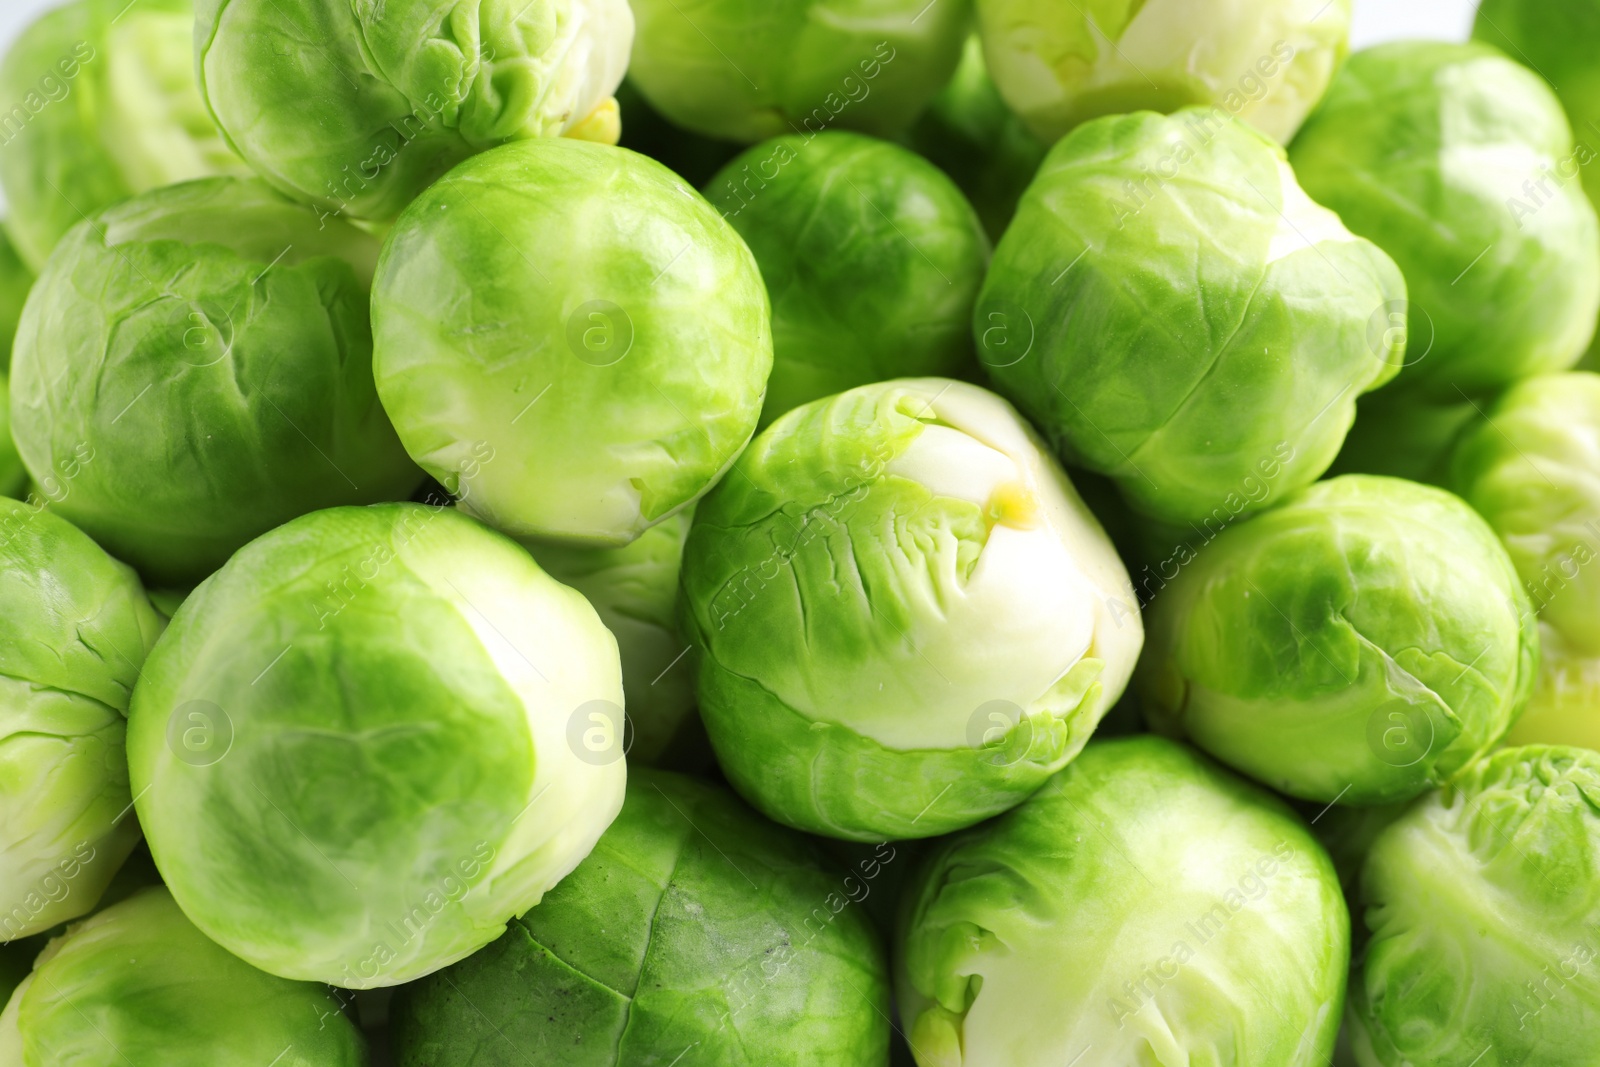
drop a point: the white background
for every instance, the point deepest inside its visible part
(1392, 20)
(1376, 20)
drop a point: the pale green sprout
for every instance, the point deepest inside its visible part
(75, 628)
(570, 339)
(357, 752)
(1144, 907)
(1532, 469)
(1482, 906)
(1266, 62)
(801, 66)
(905, 618)
(102, 105)
(380, 100)
(138, 984)
(1362, 642)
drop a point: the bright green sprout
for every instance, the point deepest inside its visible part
(570, 339)
(17, 956)
(193, 368)
(75, 628)
(1460, 164)
(1166, 276)
(694, 929)
(1482, 908)
(138, 984)
(1362, 642)
(872, 258)
(1556, 38)
(1532, 469)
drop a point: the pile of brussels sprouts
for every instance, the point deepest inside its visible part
(982, 533)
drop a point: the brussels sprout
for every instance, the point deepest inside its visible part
(744, 72)
(973, 137)
(693, 925)
(645, 130)
(1266, 62)
(871, 256)
(904, 617)
(380, 99)
(1144, 905)
(1362, 642)
(103, 105)
(1403, 435)
(1175, 313)
(194, 367)
(1483, 904)
(1556, 38)
(1451, 158)
(16, 957)
(75, 627)
(571, 339)
(1532, 469)
(634, 589)
(139, 985)
(354, 751)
